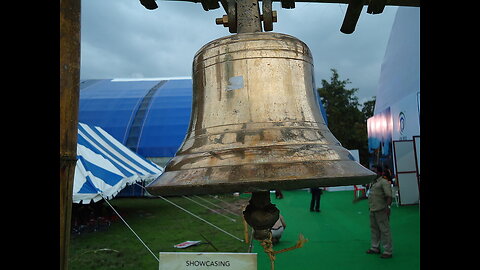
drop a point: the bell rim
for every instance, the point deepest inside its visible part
(249, 178)
(255, 186)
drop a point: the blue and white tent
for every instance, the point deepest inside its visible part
(105, 166)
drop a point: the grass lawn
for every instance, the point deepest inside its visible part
(338, 236)
(160, 225)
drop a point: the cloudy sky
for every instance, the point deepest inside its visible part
(122, 39)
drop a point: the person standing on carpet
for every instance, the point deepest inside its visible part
(278, 194)
(379, 201)
(315, 201)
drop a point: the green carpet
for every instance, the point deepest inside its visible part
(339, 235)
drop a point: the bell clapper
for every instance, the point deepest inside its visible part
(261, 214)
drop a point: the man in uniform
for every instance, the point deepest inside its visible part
(379, 201)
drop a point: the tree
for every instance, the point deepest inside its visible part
(345, 120)
(368, 108)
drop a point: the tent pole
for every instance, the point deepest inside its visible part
(69, 98)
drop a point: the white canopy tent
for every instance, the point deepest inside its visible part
(105, 166)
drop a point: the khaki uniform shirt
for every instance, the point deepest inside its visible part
(380, 189)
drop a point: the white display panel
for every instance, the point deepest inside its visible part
(406, 172)
(408, 188)
(404, 156)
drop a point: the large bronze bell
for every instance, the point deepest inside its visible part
(255, 123)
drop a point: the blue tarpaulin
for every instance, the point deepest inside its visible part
(148, 115)
(105, 166)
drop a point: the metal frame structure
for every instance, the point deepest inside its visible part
(241, 13)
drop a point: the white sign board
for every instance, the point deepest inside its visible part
(406, 118)
(404, 156)
(408, 188)
(406, 171)
(198, 261)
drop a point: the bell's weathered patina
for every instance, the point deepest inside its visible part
(256, 123)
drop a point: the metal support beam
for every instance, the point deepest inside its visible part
(351, 16)
(243, 16)
(248, 16)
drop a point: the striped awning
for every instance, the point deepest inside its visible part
(105, 166)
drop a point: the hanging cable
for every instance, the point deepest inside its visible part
(213, 210)
(185, 210)
(131, 229)
(217, 205)
(218, 228)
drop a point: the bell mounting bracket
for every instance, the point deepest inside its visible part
(243, 16)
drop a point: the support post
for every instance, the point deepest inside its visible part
(69, 97)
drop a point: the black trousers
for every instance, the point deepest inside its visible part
(315, 202)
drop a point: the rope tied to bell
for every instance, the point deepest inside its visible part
(267, 245)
